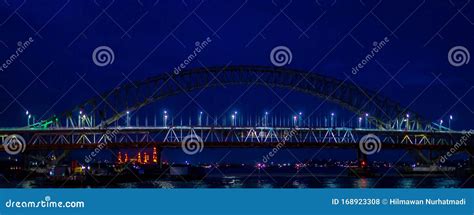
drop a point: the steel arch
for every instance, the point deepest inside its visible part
(112, 105)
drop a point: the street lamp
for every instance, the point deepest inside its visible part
(128, 119)
(200, 119)
(165, 119)
(233, 120)
(294, 120)
(450, 119)
(79, 124)
(360, 122)
(332, 120)
(408, 121)
(266, 119)
(366, 120)
(235, 116)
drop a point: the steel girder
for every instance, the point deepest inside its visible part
(114, 104)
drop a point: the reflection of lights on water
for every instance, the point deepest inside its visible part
(361, 183)
(406, 183)
(298, 184)
(446, 183)
(332, 183)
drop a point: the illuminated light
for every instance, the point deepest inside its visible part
(200, 112)
(233, 116)
(300, 113)
(294, 117)
(332, 114)
(451, 117)
(155, 156)
(441, 121)
(145, 159)
(363, 163)
(27, 113)
(29, 116)
(139, 157)
(128, 112)
(126, 157)
(235, 112)
(80, 112)
(366, 114)
(266, 113)
(408, 115)
(360, 118)
(119, 157)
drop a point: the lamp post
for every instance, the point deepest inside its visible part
(449, 122)
(366, 120)
(27, 117)
(332, 120)
(127, 120)
(300, 118)
(200, 119)
(266, 119)
(408, 121)
(165, 118)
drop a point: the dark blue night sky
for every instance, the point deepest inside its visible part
(149, 38)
